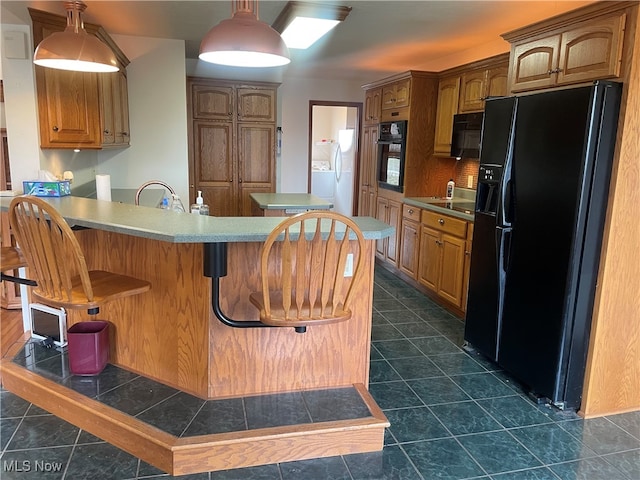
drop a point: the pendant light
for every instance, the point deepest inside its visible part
(74, 49)
(243, 40)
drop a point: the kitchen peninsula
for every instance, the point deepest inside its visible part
(281, 204)
(171, 335)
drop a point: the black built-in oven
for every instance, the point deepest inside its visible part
(392, 143)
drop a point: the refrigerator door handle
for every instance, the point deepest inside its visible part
(503, 213)
(503, 251)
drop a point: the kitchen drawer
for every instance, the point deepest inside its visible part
(410, 212)
(444, 223)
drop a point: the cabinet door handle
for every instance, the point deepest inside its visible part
(126, 134)
(555, 70)
(410, 211)
(439, 243)
(55, 128)
(467, 252)
(106, 132)
(239, 180)
(441, 221)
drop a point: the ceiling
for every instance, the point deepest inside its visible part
(378, 38)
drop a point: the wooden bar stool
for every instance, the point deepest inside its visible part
(303, 276)
(12, 259)
(58, 264)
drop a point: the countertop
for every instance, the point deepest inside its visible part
(427, 203)
(174, 227)
(284, 201)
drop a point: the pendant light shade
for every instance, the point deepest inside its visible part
(244, 41)
(74, 49)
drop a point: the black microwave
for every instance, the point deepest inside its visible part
(467, 135)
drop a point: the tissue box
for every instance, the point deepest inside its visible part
(47, 189)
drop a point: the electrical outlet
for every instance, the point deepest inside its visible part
(348, 267)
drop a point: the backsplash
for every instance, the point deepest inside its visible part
(464, 168)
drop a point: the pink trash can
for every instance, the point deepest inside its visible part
(88, 347)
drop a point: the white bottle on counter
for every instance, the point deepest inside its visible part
(450, 187)
(199, 208)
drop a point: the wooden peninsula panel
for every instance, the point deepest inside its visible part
(266, 360)
(171, 334)
(162, 334)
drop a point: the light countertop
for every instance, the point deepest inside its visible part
(174, 227)
(283, 201)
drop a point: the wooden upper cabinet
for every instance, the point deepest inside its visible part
(533, 62)
(497, 84)
(114, 104)
(477, 85)
(472, 90)
(212, 102)
(256, 104)
(594, 51)
(396, 95)
(448, 95)
(69, 109)
(80, 109)
(589, 51)
(372, 106)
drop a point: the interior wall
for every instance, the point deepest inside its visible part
(156, 80)
(294, 112)
(20, 109)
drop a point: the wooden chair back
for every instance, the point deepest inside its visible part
(51, 249)
(303, 271)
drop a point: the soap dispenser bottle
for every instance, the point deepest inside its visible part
(450, 186)
(199, 207)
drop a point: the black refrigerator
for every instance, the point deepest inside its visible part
(545, 166)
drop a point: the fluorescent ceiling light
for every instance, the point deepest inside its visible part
(303, 23)
(74, 49)
(303, 32)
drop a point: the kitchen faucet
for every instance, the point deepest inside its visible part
(152, 182)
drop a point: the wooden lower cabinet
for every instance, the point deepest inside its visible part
(388, 211)
(442, 256)
(410, 241)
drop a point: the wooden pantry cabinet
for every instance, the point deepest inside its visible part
(568, 54)
(368, 184)
(80, 109)
(464, 89)
(232, 142)
(443, 240)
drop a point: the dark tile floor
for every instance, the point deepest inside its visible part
(453, 416)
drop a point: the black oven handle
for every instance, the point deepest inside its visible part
(389, 142)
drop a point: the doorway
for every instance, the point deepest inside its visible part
(334, 133)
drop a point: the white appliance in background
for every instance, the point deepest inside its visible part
(323, 180)
(344, 161)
